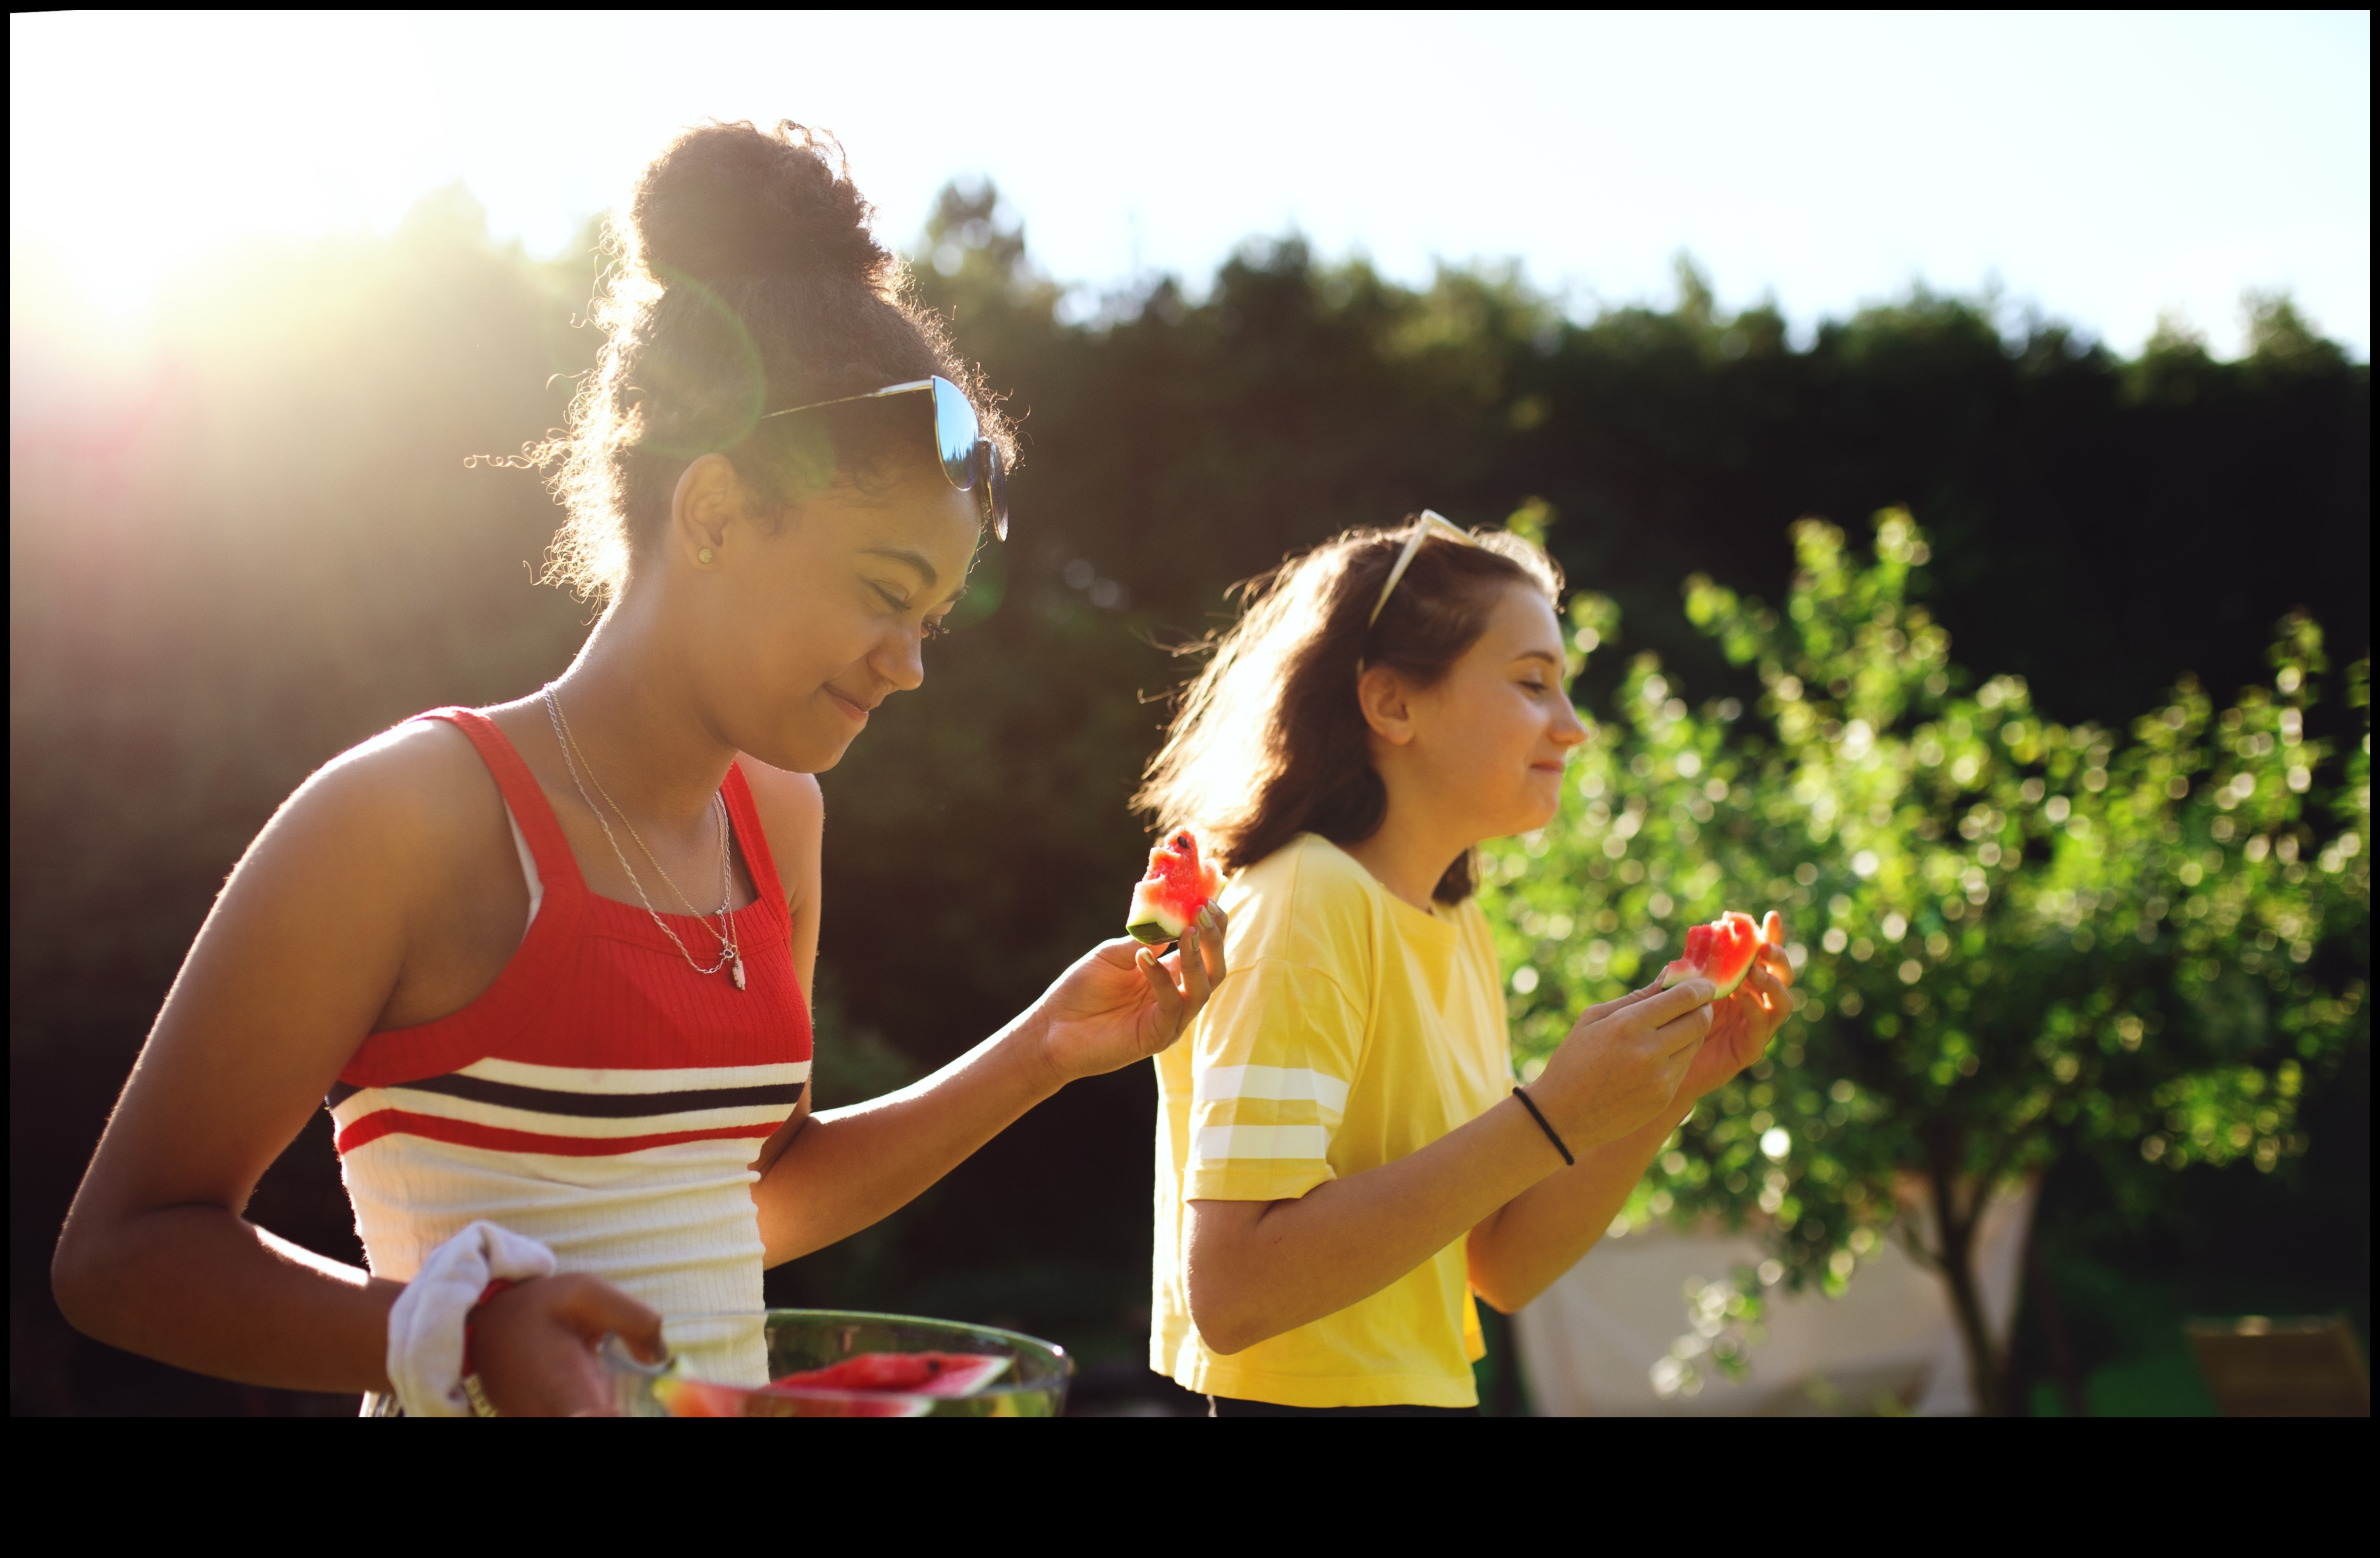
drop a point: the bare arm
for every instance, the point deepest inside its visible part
(291, 968)
(825, 1177)
(1516, 1254)
(1519, 1249)
(1259, 1268)
(848, 1168)
(321, 935)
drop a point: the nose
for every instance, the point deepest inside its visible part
(1566, 732)
(901, 658)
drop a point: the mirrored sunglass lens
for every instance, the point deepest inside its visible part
(996, 491)
(955, 433)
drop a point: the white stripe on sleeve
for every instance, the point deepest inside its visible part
(1220, 1143)
(1219, 1084)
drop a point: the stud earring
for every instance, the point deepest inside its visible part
(703, 555)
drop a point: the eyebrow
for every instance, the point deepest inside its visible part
(1550, 659)
(913, 559)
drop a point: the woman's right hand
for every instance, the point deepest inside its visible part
(1622, 1062)
(534, 1344)
(1123, 1002)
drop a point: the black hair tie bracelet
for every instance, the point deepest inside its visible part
(1547, 1126)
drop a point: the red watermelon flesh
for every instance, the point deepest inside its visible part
(1724, 952)
(873, 1384)
(903, 1373)
(1178, 885)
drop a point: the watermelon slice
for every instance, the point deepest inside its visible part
(1724, 951)
(1177, 887)
(873, 1384)
(906, 1373)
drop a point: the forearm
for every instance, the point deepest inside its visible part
(1517, 1252)
(202, 1289)
(849, 1168)
(1342, 1242)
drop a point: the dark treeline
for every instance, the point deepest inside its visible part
(264, 545)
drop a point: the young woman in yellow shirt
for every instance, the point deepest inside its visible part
(1343, 1157)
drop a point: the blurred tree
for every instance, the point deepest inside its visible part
(2031, 938)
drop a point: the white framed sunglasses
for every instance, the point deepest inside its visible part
(970, 461)
(1431, 523)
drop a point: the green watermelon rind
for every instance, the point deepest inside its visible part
(1677, 973)
(1150, 921)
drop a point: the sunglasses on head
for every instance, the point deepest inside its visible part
(1431, 523)
(971, 462)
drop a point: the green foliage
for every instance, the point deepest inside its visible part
(234, 558)
(2014, 938)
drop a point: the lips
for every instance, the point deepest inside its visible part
(852, 708)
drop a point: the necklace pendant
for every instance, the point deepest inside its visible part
(738, 969)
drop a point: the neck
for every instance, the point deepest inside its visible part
(630, 703)
(1412, 848)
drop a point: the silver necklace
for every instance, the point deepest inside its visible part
(726, 881)
(731, 955)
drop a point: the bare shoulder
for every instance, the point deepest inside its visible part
(793, 813)
(384, 874)
(390, 821)
(419, 783)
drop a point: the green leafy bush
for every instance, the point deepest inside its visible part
(2015, 938)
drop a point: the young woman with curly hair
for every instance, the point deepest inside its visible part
(549, 961)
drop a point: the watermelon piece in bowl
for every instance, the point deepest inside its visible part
(912, 1374)
(1178, 885)
(1724, 951)
(888, 1385)
(821, 1363)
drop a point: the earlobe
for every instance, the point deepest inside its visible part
(709, 498)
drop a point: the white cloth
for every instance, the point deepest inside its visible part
(425, 1329)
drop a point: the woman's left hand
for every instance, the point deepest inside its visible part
(1742, 1024)
(1121, 1002)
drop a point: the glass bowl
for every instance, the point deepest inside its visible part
(1020, 1376)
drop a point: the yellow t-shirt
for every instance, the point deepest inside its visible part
(1352, 1030)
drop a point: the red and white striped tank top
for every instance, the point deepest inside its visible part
(601, 1095)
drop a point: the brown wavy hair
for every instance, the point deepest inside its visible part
(1268, 742)
(743, 277)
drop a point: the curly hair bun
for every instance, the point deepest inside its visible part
(741, 276)
(728, 202)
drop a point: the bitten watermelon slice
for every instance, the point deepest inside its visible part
(1724, 951)
(1177, 887)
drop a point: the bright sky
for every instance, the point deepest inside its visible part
(2103, 168)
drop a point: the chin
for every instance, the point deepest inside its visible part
(804, 752)
(1520, 822)
(1540, 810)
(818, 765)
